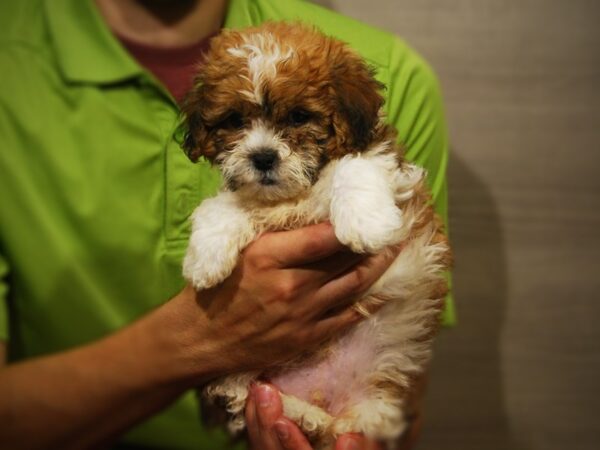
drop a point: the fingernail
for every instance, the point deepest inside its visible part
(264, 395)
(282, 430)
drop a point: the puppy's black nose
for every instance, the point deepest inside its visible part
(264, 160)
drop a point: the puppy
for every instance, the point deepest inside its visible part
(293, 119)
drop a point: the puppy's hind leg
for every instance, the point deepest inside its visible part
(231, 393)
(378, 418)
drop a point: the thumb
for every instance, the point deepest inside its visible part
(268, 404)
(302, 245)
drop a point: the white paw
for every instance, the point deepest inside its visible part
(207, 266)
(363, 208)
(374, 418)
(312, 420)
(220, 230)
(366, 231)
(233, 390)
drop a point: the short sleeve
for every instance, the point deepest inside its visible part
(3, 299)
(415, 108)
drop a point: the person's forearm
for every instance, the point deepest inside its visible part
(88, 396)
(276, 304)
(3, 348)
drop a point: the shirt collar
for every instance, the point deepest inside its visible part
(85, 47)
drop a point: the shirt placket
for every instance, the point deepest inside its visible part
(180, 176)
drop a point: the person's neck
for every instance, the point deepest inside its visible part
(163, 23)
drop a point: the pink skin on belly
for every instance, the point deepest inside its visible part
(337, 381)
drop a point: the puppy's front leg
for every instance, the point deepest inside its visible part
(220, 230)
(363, 209)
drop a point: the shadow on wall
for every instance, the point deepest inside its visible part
(465, 409)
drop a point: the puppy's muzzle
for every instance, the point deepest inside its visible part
(264, 159)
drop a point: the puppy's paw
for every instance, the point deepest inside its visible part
(313, 421)
(363, 208)
(231, 393)
(374, 418)
(208, 266)
(207, 277)
(220, 230)
(365, 231)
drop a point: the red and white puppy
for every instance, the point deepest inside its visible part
(293, 120)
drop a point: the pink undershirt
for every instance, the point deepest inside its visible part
(173, 67)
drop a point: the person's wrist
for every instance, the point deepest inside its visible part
(177, 337)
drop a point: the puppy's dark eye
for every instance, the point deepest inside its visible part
(299, 117)
(233, 121)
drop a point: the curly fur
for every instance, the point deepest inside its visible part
(315, 106)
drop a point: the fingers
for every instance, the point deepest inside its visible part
(301, 246)
(346, 288)
(319, 272)
(252, 422)
(268, 403)
(334, 325)
(267, 428)
(263, 409)
(290, 436)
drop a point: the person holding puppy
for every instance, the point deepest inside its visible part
(95, 196)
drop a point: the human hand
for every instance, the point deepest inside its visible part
(269, 430)
(289, 292)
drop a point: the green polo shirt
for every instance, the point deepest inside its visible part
(95, 194)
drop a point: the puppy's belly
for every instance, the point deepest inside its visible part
(338, 378)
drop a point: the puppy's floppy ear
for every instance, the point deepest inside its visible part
(192, 133)
(357, 99)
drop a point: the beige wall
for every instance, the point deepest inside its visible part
(522, 88)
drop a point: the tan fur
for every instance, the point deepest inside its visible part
(258, 79)
(323, 76)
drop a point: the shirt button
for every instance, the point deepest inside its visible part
(182, 204)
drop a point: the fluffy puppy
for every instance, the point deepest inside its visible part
(293, 119)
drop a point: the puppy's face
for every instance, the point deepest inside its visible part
(272, 105)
